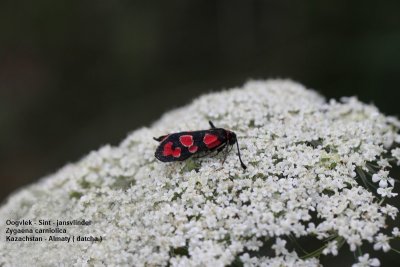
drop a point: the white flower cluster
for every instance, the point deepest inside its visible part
(316, 169)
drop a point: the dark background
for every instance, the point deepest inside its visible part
(75, 75)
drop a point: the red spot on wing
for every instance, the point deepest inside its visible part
(186, 140)
(214, 144)
(167, 149)
(211, 140)
(193, 149)
(177, 152)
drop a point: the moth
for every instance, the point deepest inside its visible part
(182, 145)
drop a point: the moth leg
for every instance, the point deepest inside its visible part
(226, 153)
(202, 156)
(218, 149)
(221, 148)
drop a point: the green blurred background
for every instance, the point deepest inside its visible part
(78, 74)
(75, 75)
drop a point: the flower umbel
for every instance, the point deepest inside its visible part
(307, 159)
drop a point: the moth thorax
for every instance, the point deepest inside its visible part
(231, 137)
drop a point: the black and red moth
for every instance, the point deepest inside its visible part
(181, 146)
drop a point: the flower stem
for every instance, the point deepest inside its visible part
(395, 250)
(316, 253)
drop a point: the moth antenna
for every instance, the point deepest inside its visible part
(159, 139)
(211, 124)
(240, 158)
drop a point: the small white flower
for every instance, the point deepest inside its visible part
(396, 153)
(386, 192)
(331, 248)
(279, 247)
(390, 210)
(396, 232)
(354, 241)
(383, 163)
(382, 242)
(383, 179)
(365, 261)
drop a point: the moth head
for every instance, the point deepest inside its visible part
(231, 136)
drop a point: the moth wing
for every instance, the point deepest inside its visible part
(170, 149)
(185, 154)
